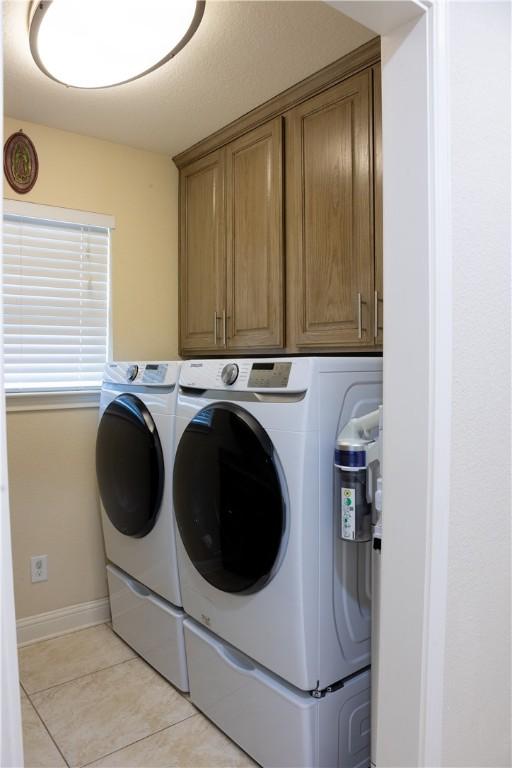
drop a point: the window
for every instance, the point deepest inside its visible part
(55, 298)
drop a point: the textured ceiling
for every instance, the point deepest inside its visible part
(242, 54)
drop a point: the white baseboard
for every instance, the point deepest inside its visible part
(60, 622)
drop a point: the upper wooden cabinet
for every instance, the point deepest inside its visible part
(281, 221)
(329, 217)
(254, 239)
(231, 246)
(202, 281)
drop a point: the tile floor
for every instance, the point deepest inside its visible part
(88, 699)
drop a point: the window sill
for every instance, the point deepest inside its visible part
(52, 401)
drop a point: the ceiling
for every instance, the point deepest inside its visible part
(243, 53)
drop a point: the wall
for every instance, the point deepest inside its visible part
(476, 712)
(54, 507)
(464, 689)
(444, 696)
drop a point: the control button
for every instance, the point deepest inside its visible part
(229, 373)
(132, 372)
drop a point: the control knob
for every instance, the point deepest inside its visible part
(229, 373)
(132, 372)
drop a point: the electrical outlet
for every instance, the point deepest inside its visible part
(39, 568)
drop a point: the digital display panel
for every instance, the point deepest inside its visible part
(269, 375)
(154, 374)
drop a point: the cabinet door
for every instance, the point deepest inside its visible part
(330, 218)
(202, 253)
(377, 185)
(254, 239)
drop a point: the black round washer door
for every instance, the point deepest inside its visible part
(228, 499)
(129, 466)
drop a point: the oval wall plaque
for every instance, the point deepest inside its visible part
(21, 165)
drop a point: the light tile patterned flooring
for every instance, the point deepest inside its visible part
(88, 699)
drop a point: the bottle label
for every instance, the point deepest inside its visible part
(348, 513)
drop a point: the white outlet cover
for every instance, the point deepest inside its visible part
(39, 568)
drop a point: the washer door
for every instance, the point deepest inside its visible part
(228, 499)
(129, 466)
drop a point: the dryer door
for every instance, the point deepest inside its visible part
(228, 498)
(129, 466)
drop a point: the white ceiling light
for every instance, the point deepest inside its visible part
(100, 43)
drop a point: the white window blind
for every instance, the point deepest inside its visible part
(56, 304)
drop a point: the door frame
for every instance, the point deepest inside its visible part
(11, 740)
(417, 384)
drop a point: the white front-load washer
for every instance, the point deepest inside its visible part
(135, 450)
(283, 602)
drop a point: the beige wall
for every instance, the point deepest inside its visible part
(52, 482)
(54, 508)
(141, 190)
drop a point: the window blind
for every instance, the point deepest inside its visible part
(56, 296)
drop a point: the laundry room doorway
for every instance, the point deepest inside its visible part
(407, 44)
(418, 378)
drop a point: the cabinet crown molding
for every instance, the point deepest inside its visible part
(361, 58)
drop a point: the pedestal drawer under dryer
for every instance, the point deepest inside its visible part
(150, 625)
(277, 724)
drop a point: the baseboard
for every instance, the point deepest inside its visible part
(60, 622)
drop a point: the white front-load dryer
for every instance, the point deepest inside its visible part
(261, 563)
(135, 450)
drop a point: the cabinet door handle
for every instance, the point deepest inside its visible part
(215, 328)
(224, 327)
(377, 327)
(359, 316)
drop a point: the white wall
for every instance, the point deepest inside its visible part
(476, 707)
(444, 685)
(470, 699)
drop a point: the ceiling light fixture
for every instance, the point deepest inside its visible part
(101, 43)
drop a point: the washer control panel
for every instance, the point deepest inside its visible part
(146, 374)
(269, 375)
(243, 374)
(154, 373)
